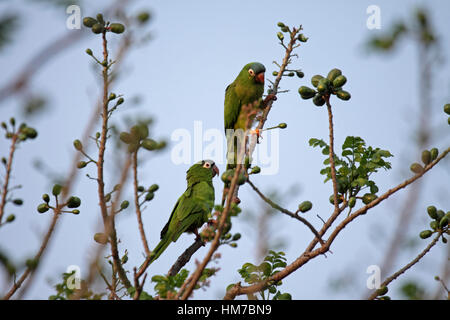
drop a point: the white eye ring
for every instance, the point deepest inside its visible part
(207, 165)
(251, 72)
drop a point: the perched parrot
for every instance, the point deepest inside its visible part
(192, 208)
(242, 99)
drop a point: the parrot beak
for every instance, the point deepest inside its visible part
(260, 77)
(216, 170)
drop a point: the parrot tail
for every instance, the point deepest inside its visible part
(159, 249)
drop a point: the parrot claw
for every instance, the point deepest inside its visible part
(236, 200)
(258, 134)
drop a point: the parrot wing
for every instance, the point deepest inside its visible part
(232, 107)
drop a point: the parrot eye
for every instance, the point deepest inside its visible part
(206, 165)
(251, 72)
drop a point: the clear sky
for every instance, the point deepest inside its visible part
(197, 49)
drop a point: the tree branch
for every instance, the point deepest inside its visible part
(308, 254)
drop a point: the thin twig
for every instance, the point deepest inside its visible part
(287, 212)
(138, 207)
(406, 267)
(5, 190)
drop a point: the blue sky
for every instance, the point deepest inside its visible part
(197, 49)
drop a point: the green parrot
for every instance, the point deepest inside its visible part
(243, 97)
(192, 208)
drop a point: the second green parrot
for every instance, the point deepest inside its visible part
(193, 207)
(242, 98)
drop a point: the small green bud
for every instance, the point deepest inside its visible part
(117, 28)
(10, 218)
(100, 19)
(282, 125)
(107, 197)
(255, 170)
(382, 291)
(315, 80)
(18, 202)
(81, 164)
(124, 204)
(125, 137)
(290, 74)
(299, 74)
(4, 161)
(153, 188)
(305, 206)
(149, 196)
(352, 202)
(368, 198)
(302, 38)
(281, 24)
(124, 259)
(443, 222)
(440, 215)
(97, 28)
(343, 95)
(4, 126)
(416, 168)
(77, 144)
(275, 73)
(331, 199)
(149, 144)
(32, 263)
(74, 202)
(112, 96)
(434, 153)
(434, 225)
(323, 85)
(333, 74)
(46, 197)
(339, 81)
(89, 22)
(29, 132)
(140, 189)
(425, 234)
(233, 245)
(120, 101)
(101, 238)
(236, 236)
(56, 189)
(447, 108)
(432, 212)
(89, 51)
(43, 207)
(306, 92)
(319, 100)
(280, 36)
(426, 157)
(12, 121)
(143, 17)
(285, 29)
(76, 211)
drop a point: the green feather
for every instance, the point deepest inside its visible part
(242, 97)
(191, 210)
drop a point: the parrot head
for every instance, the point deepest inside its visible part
(202, 170)
(255, 71)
